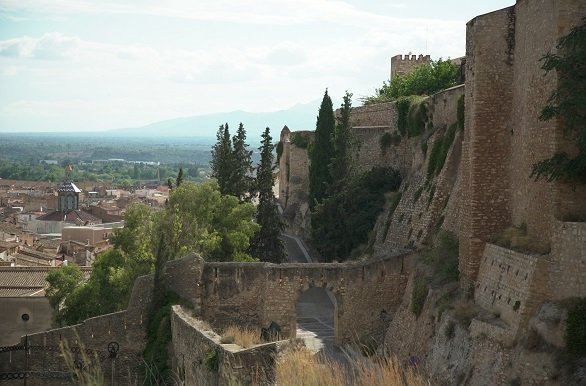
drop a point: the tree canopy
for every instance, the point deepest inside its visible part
(425, 79)
(198, 218)
(321, 152)
(267, 243)
(221, 162)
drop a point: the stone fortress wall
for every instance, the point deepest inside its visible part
(401, 65)
(485, 184)
(255, 294)
(126, 328)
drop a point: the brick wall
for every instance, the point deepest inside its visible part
(425, 203)
(401, 65)
(127, 328)
(193, 342)
(488, 105)
(254, 294)
(511, 284)
(567, 276)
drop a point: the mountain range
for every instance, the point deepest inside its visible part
(299, 117)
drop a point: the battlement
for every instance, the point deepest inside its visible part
(411, 57)
(402, 64)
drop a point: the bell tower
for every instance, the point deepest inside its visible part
(68, 193)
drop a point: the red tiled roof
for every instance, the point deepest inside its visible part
(27, 281)
(72, 216)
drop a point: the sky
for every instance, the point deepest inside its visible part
(89, 65)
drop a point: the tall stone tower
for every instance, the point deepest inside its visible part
(401, 65)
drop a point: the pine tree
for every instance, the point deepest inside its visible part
(241, 166)
(266, 243)
(340, 164)
(222, 159)
(179, 179)
(321, 153)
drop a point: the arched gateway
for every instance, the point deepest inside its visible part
(256, 294)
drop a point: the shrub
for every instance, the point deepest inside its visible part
(279, 148)
(212, 360)
(394, 199)
(439, 151)
(402, 113)
(419, 294)
(343, 221)
(158, 337)
(300, 140)
(443, 258)
(576, 329)
(425, 79)
(386, 140)
(417, 118)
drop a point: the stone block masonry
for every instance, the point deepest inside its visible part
(505, 92)
(194, 344)
(255, 294)
(511, 285)
(127, 328)
(567, 272)
(400, 65)
(486, 145)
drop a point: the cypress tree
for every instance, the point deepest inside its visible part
(222, 160)
(266, 243)
(179, 179)
(340, 165)
(321, 153)
(242, 166)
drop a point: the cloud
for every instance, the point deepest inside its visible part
(51, 46)
(259, 12)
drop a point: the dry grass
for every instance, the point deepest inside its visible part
(86, 368)
(240, 336)
(300, 368)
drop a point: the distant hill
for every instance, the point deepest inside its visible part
(298, 117)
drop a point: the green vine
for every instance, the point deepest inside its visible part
(567, 102)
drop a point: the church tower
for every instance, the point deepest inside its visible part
(68, 193)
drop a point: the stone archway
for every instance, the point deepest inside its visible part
(316, 318)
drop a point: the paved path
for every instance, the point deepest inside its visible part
(315, 308)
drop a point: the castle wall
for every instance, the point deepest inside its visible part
(531, 139)
(255, 294)
(567, 276)
(379, 114)
(488, 108)
(425, 201)
(127, 328)
(400, 65)
(193, 342)
(13, 327)
(511, 284)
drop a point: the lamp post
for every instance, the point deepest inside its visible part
(25, 318)
(113, 348)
